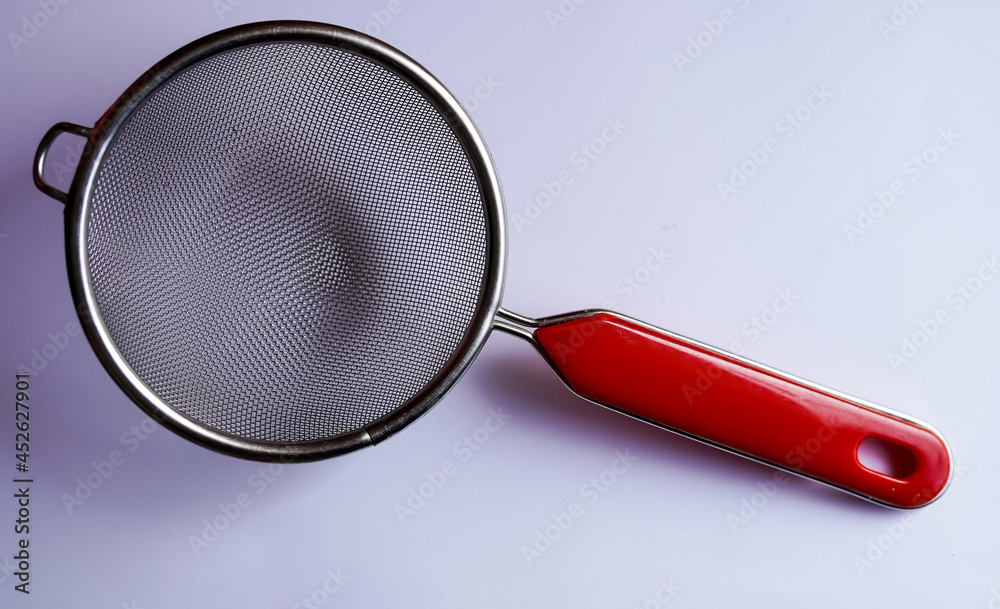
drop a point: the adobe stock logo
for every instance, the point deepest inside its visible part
(228, 513)
(484, 89)
(630, 283)
(320, 596)
(706, 376)
(915, 168)
(899, 17)
(382, 18)
(31, 25)
(562, 12)
(101, 471)
(786, 127)
(994, 600)
(961, 295)
(225, 6)
(58, 341)
(464, 450)
(663, 595)
(577, 338)
(580, 161)
(590, 493)
(879, 545)
(757, 500)
(758, 325)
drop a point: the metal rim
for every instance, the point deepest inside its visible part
(104, 134)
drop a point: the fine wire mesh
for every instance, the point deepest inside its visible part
(286, 241)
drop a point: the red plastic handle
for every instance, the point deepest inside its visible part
(728, 401)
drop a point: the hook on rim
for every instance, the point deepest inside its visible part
(43, 150)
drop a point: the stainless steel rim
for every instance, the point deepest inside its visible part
(103, 135)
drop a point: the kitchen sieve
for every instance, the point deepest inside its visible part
(286, 241)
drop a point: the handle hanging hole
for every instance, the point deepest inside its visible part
(887, 458)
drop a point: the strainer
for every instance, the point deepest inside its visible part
(286, 241)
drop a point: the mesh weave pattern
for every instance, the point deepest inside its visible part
(286, 242)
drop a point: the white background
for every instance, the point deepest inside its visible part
(686, 521)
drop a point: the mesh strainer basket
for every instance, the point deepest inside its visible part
(286, 240)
